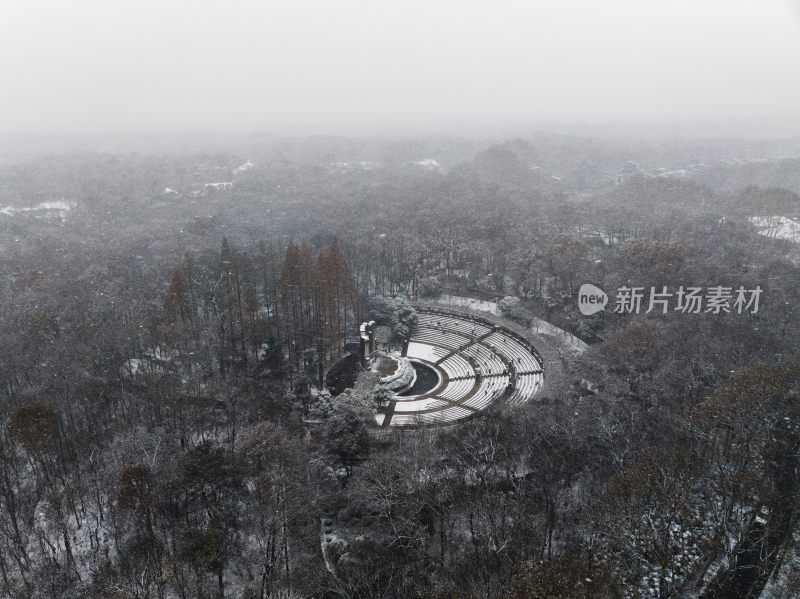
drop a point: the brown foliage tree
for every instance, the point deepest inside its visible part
(35, 427)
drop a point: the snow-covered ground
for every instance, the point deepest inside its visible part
(564, 338)
(422, 351)
(44, 210)
(777, 227)
(152, 362)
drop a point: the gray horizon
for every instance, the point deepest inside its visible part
(356, 68)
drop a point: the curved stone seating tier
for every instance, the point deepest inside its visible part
(527, 385)
(466, 327)
(476, 360)
(439, 338)
(457, 367)
(457, 389)
(521, 357)
(487, 360)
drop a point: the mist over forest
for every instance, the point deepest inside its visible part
(358, 300)
(167, 319)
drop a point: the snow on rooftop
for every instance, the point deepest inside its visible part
(349, 167)
(243, 167)
(430, 164)
(218, 185)
(44, 210)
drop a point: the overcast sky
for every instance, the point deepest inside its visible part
(72, 66)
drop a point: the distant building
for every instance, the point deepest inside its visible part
(242, 168)
(218, 186)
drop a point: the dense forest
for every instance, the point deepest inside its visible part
(167, 321)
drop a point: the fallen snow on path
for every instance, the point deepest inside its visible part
(468, 302)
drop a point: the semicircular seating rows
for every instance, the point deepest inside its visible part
(480, 365)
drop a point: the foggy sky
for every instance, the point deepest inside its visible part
(88, 66)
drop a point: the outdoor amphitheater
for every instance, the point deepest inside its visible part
(464, 366)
